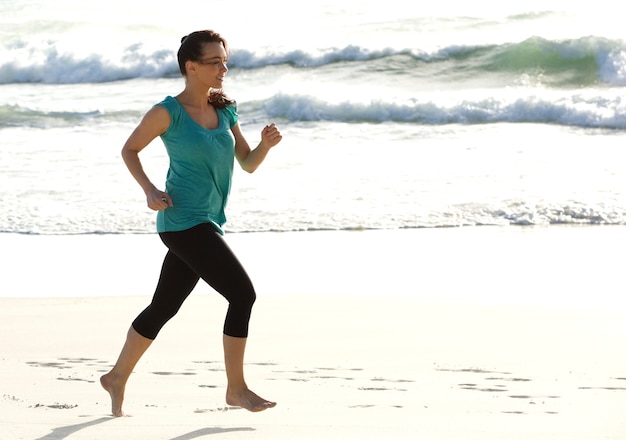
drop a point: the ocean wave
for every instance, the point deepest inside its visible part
(575, 62)
(516, 213)
(13, 115)
(48, 64)
(568, 110)
(573, 109)
(505, 213)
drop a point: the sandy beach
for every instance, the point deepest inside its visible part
(466, 333)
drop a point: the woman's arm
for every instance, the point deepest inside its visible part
(153, 124)
(251, 159)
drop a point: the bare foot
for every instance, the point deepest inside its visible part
(116, 392)
(248, 400)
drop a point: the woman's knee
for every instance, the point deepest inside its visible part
(242, 298)
(150, 322)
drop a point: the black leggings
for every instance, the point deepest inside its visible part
(199, 252)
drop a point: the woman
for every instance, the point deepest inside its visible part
(201, 133)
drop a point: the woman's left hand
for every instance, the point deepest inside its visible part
(270, 135)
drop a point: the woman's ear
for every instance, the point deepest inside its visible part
(192, 68)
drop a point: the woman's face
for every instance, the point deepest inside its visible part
(211, 66)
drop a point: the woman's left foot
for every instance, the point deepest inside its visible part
(248, 400)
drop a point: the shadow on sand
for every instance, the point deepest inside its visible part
(66, 431)
(209, 431)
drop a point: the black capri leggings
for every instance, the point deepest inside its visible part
(199, 252)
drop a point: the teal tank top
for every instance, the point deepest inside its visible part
(200, 171)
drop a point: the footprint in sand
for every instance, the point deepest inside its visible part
(219, 409)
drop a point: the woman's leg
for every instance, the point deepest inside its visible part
(237, 391)
(205, 252)
(175, 284)
(208, 255)
(115, 380)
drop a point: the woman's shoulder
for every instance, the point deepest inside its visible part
(169, 102)
(231, 113)
(162, 114)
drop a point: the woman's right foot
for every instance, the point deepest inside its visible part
(116, 392)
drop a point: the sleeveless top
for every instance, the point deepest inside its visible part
(200, 171)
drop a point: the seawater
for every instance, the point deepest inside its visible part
(405, 116)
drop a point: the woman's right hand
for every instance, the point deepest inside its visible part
(158, 200)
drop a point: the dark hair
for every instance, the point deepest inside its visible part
(191, 47)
